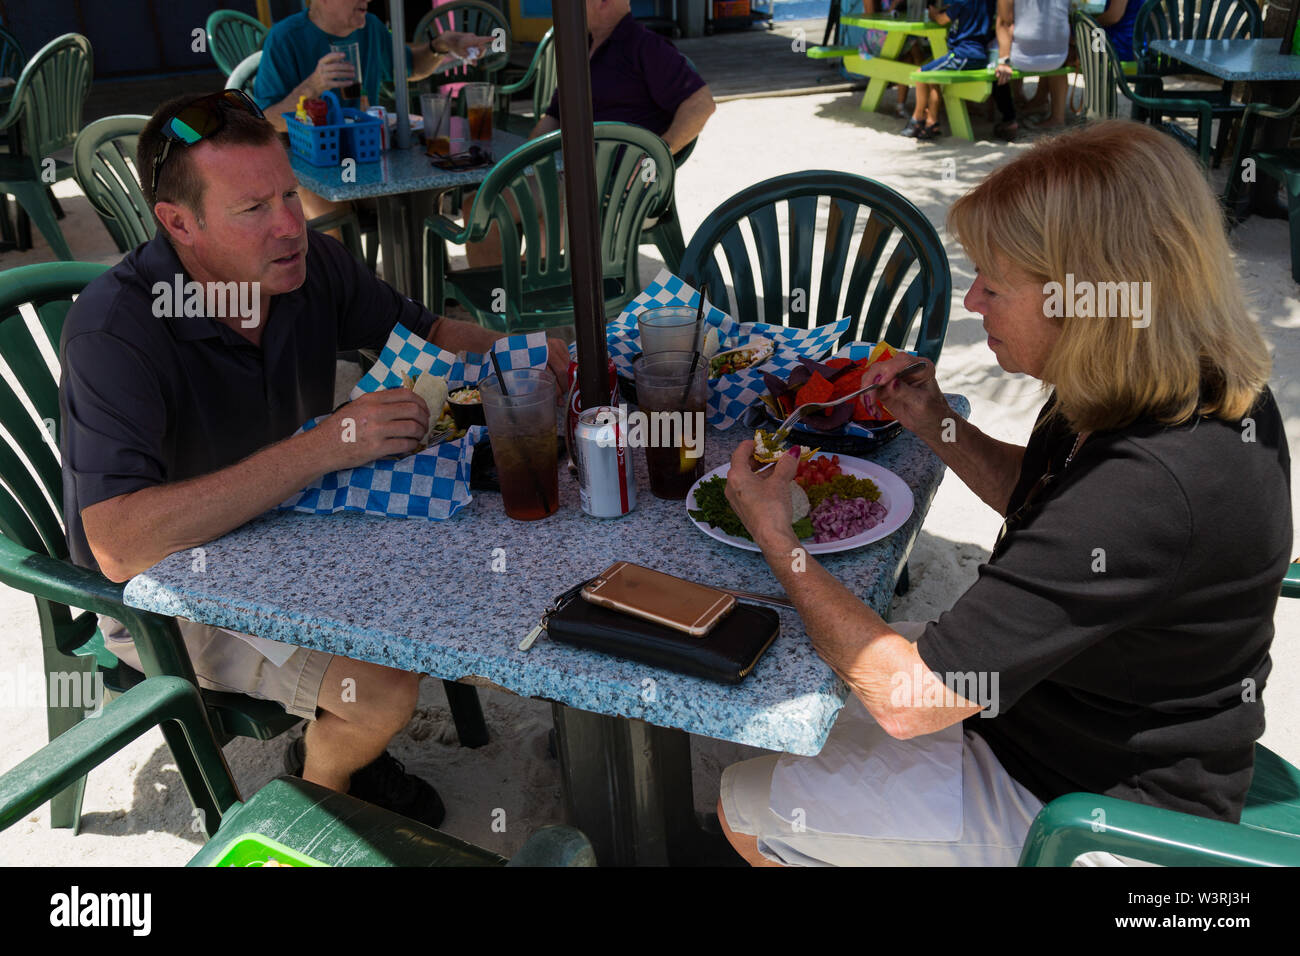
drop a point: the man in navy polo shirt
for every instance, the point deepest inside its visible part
(638, 77)
(178, 428)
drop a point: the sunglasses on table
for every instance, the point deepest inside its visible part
(473, 157)
(201, 119)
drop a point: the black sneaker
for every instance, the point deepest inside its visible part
(385, 783)
(295, 756)
(913, 128)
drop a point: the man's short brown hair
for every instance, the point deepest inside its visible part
(179, 181)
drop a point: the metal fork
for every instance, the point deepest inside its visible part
(784, 431)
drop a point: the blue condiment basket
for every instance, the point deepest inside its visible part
(349, 134)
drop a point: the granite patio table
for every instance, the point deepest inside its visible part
(405, 184)
(1274, 77)
(453, 599)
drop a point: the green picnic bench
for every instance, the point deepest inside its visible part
(974, 86)
(960, 87)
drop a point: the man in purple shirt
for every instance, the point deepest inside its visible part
(638, 77)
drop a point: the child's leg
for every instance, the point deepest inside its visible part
(922, 100)
(934, 98)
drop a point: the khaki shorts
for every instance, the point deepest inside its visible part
(223, 662)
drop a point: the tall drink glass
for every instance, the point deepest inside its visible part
(676, 404)
(521, 425)
(436, 109)
(667, 329)
(352, 53)
(479, 101)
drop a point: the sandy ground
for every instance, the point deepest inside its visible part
(135, 810)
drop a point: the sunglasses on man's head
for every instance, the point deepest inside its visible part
(201, 119)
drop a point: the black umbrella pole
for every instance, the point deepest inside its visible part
(574, 82)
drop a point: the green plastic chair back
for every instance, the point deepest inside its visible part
(878, 260)
(466, 16)
(548, 77)
(1101, 92)
(232, 36)
(104, 160)
(540, 77)
(634, 180)
(45, 110)
(1190, 20)
(11, 55)
(244, 75)
(49, 96)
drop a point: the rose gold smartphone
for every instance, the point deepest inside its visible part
(654, 596)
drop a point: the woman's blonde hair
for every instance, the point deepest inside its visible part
(1120, 202)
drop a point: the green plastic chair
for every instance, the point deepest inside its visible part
(308, 820)
(1104, 81)
(104, 164)
(1186, 20)
(1281, 164)
(1268, 834)
(1189, 20)
(464, 16)
(880, 259)
(232, 36)
(45, 113)
(538, 293)
(244, 74)
(541, 77)
(11, 55)
(33, 545)
(11, 65)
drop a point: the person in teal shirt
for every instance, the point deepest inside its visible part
(297, 61)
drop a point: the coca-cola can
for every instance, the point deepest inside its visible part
(575, 405)
(606, 482)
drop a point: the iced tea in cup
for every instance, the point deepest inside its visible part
(521, 426)
(436, 108)
(479, 102)
(667, 329)
(352, 53)
(675, 402)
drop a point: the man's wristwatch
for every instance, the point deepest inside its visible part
(1005, 61)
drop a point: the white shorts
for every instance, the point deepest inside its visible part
(869, 800)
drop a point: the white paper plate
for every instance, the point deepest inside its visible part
(895, 495)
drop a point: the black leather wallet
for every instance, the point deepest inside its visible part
(726, 654)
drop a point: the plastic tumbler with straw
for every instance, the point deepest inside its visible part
(671, 387)
(436, 109)
(519, 406)
(667, 329)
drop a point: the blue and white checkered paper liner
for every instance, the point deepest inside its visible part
(729, 395)
(433, 483)
(854, 351)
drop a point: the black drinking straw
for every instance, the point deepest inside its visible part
(501, 380)
(695, 355)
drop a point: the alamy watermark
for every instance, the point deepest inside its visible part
(80, 689)
(1102, 300)
(641, 429)
(943, 690)
(216, 300)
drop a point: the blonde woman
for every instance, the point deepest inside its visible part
(1117, 640)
